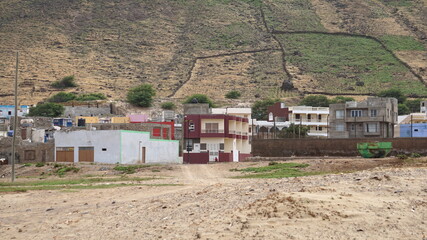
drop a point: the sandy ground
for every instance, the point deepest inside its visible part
(383, 201)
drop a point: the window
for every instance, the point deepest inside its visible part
(356, 113)
(320, 128)
(339, 114)
(202, 146)
(297, 116)
(9, 113)
(373, 112)
(319, 117)
(339, 127)
(221, 146)
(104, 149)
(352, 127)
(371, 127)
(415, 130)
(191, 126)
(211, 127)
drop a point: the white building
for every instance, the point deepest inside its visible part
(114, 146)
(315, 118)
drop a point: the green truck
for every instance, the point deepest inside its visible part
(374, 149)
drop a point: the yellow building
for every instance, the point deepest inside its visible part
(88, 119)
(120, 120)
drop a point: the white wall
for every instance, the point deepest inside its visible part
(97, 139)
(156, 150)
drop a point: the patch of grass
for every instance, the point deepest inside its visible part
(402, 43)
(39, 164)
(398, 3)
(64, 169)
(275, 170)
(131, 168)
(339, 62)
(27, 165)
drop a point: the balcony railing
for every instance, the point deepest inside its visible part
(212, 130)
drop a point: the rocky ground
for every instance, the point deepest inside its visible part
(358, 199)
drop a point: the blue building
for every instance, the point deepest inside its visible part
(63, 122)
(418, 130)
(7, 111)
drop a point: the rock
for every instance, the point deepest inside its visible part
(49, 209)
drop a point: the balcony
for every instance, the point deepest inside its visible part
(212, 133)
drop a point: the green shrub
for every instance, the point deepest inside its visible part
(64, 169)
(233, 94)
(415, 155)
(259, 108)
(90, 97)
(28, 165)
(66, 82)
(168, 106)
(39, 164)
(62, 97)
(141, 95)
(402, 156)
(315, 101)
(47, 110)
(200, 98)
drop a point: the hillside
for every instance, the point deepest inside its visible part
(351, 47)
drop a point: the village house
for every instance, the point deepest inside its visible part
(314, 118)
(216, 134)
(7, 111)
(114, 146)
(373, 117)
(412, 125)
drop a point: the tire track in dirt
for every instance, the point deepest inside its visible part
(194, 62)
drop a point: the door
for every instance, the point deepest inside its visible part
(143, 155)
(65, 154)
(86, 154)
(213, 149)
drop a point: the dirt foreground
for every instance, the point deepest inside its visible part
(383, 202)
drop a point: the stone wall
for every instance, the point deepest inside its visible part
(27, 152)
(331, 147)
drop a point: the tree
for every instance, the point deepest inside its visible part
(403, 109)
(341, 99)
(259, 108)
(233, 94)
(413, 105)
(315, 101)
(66, 82)
(141, 95)
(62, 97)
(91, 97)
(47, 110)
(394, 93)
(168, 106)
(200, 98)
(294, 131)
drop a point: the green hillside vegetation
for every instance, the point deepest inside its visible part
(401, 43)
(339, 62)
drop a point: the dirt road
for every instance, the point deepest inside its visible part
(380, 203)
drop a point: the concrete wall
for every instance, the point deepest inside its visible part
(330, 147)
(87, 110)
(110, 140)
(157, 150)
(27, 152)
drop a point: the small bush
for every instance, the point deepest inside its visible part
(141, 95)
(272, 163)
(64, 169)
(39, 164)
(47, 110)
(129, 169)
(90, 97)
(415, 155)
(200, 98)
(168, 106)
(402, 156)
(28, 165)
(62, 97)
(233, 94)
(66, 82)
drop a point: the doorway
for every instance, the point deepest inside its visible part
(143, 154)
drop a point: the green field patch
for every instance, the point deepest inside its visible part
(275, 170)
(340, 63)
(402, 43)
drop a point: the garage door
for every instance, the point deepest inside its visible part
(65, 154)
(86, 154)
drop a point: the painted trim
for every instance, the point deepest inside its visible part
(163, 140)
(150, 139)
(130, 131)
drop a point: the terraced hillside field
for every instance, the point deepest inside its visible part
(348, 47)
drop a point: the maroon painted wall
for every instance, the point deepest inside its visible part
(225, 157)
(331, 147)
(278, 111)
(196, 158)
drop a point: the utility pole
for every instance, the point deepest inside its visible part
(15, 124)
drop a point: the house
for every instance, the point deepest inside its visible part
(423, 105)
(88, 109)
(315, 118)
(138, 118)
(221, 135)
(373, 117)
(278, 112)
(82, 120)
(63, 122)
(114, 146)
(412, 125)
(120, 120)
(7, 111)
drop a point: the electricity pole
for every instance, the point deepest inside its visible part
(15, 124)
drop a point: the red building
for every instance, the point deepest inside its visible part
(279, 112)
(222, 137)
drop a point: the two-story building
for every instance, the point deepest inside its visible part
(7, 111)
(373, 117)
(217, 135)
